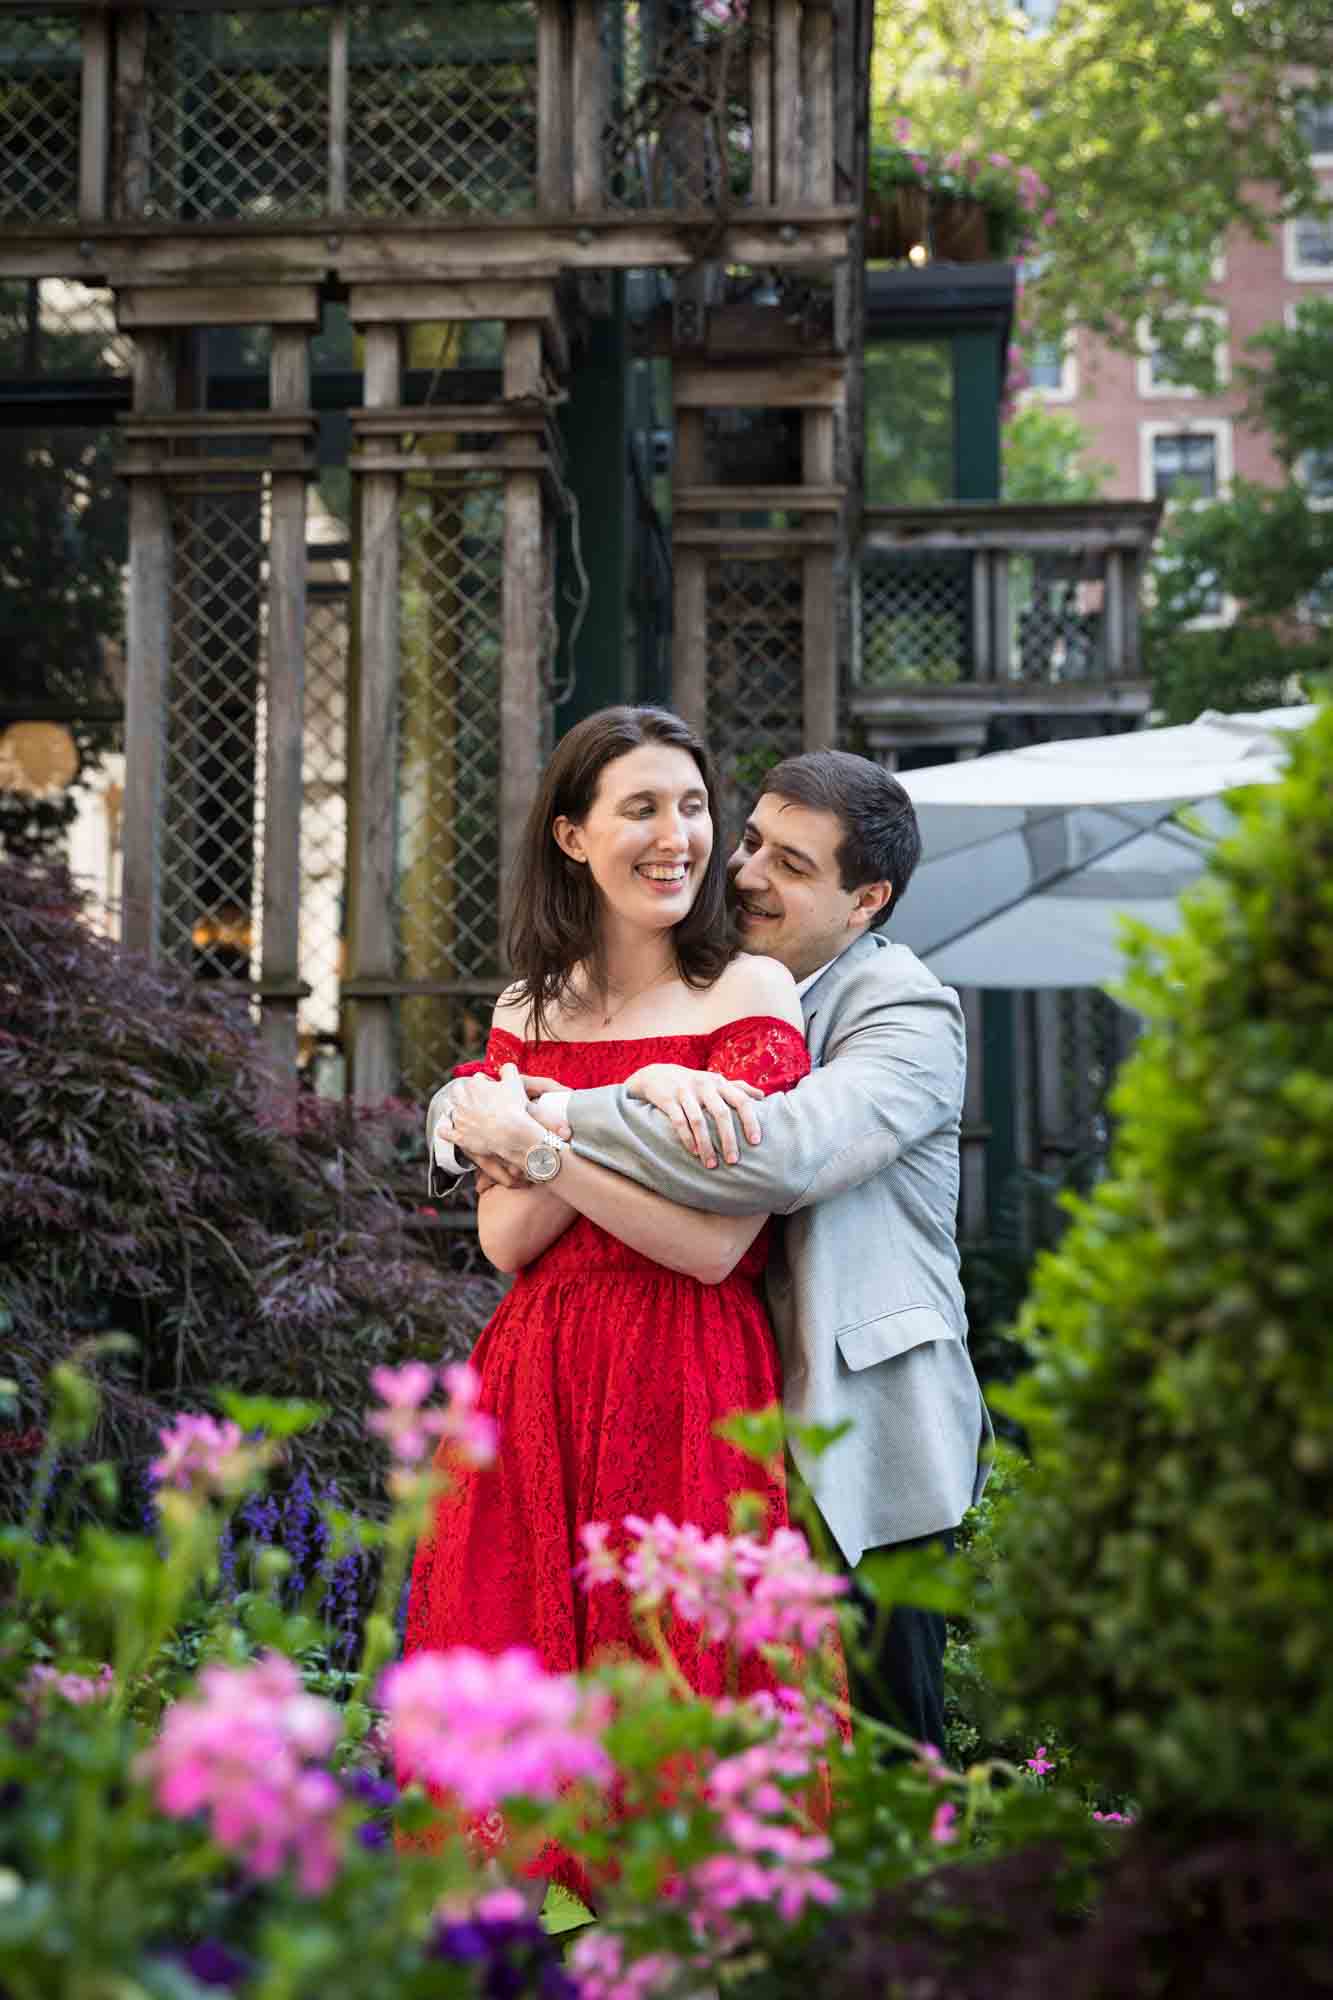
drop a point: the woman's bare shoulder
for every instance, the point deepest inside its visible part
(513, 1012)
(756, 984)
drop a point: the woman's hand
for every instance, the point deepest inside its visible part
(491, 1123)
(690, 1097)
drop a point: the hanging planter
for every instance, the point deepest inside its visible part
(896, 221)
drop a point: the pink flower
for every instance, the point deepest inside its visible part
(241, 1749)
(1000, 160)
(902, 130)
(930, 1762)
(942, 1829)
(486, 1728)
(1049, 219)
(738, 1590)
(408, 1428)
(1041, 1763)
(201, 1455)
(78, 1689)
(1114, 1818)
(597, 1961)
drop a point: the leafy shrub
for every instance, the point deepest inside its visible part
(1239, 669)
(1164, 1600)
(152, 1181)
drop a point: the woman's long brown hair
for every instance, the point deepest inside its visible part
(555, 925)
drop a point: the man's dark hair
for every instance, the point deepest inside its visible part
(881, 840)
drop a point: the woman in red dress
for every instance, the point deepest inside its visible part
(633, 1324)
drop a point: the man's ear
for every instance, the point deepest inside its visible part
(870, 900)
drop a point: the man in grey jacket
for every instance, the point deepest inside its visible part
(861, 1159)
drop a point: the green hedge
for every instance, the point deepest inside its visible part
(1166, 1597)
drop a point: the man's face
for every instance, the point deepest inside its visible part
(786, 891)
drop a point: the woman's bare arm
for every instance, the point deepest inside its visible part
(515, 1225)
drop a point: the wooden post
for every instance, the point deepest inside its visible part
(761, 103)
(1001, 650)
(289, 389)
(553, 162)
(689, 586)
(130, 189)
(522, 600)
(788, 138)
(817, 90)
(1113, 613)
(588, 96)
(374, 921)
(1132, 574)
(982, 669)
(819, 635)
(94, 116)
(338, 36)
(147, 660)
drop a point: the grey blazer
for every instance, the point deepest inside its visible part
(861, 1158)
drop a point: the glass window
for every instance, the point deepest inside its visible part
(1314, 242)
(1316, 123)
(909, 423)
(1314, 469)
(1184, 463)
(1046, 365)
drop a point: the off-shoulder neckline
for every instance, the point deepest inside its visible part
(632, 1041)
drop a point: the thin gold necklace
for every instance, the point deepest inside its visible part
(608, 1018)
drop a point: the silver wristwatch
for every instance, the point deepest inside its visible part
(542, 1161)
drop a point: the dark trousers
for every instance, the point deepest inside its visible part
(902, 1680)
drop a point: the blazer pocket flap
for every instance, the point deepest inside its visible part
(892, 1333)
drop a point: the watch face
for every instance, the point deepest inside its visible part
(542, 1163)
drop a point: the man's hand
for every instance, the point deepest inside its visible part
(491, 1122)
(690, 1097)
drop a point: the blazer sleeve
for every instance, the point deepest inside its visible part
(890, 1078)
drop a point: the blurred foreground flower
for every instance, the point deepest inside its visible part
(203, 1455)
(739, 1590)
(408, 1427)
(485, 1728)
(76, 1688)
(242, 1750)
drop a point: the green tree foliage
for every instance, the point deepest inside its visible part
(1164, 1600)
(1267, 548)
(1044, 456)
(1156, 128)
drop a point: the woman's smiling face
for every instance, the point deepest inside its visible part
(647, 835)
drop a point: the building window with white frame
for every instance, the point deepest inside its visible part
(1314, 471)
(1205, 326)
(1308, 248)
(1315, 119)
(1181, 463)
(1052, 370)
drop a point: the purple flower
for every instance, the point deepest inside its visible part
(1041, 1763)
(212, 1963)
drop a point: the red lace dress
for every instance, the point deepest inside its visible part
(605, 1373)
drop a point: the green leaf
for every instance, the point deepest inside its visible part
(925, 1579)
(757, 1433)
(275, 1416)
(816, 1439)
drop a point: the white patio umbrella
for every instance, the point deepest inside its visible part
(1031, 857)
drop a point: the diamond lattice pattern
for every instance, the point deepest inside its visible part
(39, 117)
(238, 114)
(754, 690)
(915, 620)
(323, 808)
(1058, 624)
(680, 133)
(442, 108)
(212, 808)
(449, 763)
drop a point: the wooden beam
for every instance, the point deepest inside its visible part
(788, 138)
(129, 189)
(338, 52)
(818, 178)
(465, 299)
(141, 306)
(793, 385)
(588, 96)
(373, 860)
(761, 103)
(289, 390)
(147, 663)
(819, 653)
(94, 117)
(553, 135)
